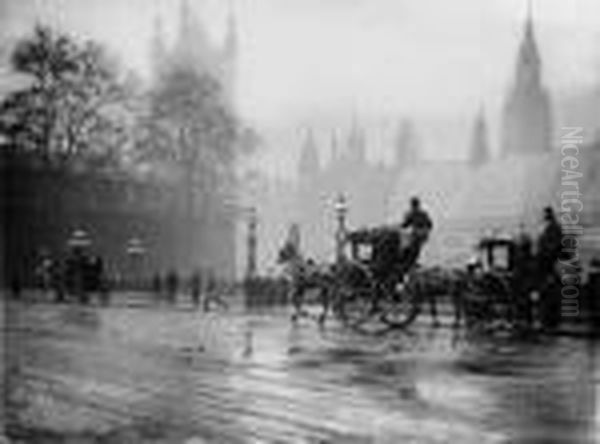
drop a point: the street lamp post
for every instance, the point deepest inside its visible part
(341, 210)
(78, 242)
(136, 250)
(251, 264)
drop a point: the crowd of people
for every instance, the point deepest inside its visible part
(81, 276)
(204, 288)
(78, 276)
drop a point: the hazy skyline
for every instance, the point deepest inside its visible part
(311, 61)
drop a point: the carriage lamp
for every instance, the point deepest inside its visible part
(135, 250)
(79, 239)
(341, 209)
(135, 247)
(340, 204)
(251, 260)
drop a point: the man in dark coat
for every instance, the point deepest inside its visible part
(549, 244)
(549, 250)
(58, 281)
(157, 286)
(16, 287)
(386, 252)
(196, 287)
(419, 221)
(172, 286)
(523, 262)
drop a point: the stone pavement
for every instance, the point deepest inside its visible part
(162, 375)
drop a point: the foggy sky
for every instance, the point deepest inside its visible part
(321, 60)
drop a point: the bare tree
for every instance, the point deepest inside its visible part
(74, 104)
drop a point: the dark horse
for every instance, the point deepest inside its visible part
(306, 276)
(434, 283)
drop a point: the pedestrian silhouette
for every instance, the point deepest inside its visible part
(196, 287)
(15, 287)
(172, 284)
(157, 286)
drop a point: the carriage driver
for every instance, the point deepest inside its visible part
(418, 220)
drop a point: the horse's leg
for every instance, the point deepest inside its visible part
(297, 292)
(433, 308)
(431, 295)
(456, 298)
(325, 302)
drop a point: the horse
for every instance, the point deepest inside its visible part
(305, 275)
(429, 284)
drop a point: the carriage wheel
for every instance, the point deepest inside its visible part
(399, 306)
(488, 305)
(355, 305)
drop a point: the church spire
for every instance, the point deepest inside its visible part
(185, 31)
(231, 37)
(527, 122)
(529, 61)
(405, 154)
(480, 152)
(308, 166)
(192, 45)
(335, 147)
(229, 57)
(158, 50)
(356, 142)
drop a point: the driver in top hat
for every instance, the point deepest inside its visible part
(421, 225)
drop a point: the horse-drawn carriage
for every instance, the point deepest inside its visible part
(366, 284)
(377, 283)
(372, 280)
(487, 296)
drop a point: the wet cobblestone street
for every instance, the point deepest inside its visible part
(163, 375)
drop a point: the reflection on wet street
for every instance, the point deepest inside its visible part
(179, 376)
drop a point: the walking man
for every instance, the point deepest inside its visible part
(157, 287)
(172, 286)
(196, 287)
(523, 270)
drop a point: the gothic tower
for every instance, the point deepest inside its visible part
(405, 149)
(229, 57)
(308, 167)
(192, 45)
(480, 151)
(194, 49)
(158, 50)
(334, 147)
(527, 125)
(356, 145)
